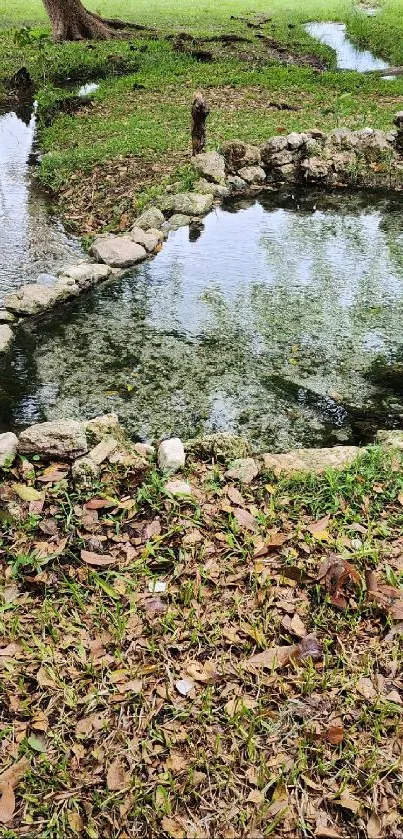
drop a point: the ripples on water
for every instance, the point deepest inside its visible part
(270, 324)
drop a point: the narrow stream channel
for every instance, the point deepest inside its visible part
(348, 56)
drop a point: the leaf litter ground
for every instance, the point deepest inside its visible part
(217, 666)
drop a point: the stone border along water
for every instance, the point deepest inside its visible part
(89, 444)
(367, 159)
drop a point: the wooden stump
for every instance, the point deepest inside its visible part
(200, 112)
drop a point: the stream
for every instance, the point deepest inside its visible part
(348, 56)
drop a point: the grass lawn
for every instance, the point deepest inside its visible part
(106, 160)
(134, 712)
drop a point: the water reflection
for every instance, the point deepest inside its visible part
(268, 323)
(30, 242)
(348, 56)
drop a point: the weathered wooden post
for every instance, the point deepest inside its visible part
(398, 120)
(200, 112)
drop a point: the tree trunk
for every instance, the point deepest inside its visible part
(72, 22)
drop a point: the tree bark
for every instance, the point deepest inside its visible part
(200, 112)
(71, 21)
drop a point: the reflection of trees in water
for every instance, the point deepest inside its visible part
(259, 357)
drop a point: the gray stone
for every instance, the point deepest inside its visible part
(153, 231)
(311, 460)
(175, 222)
(312, 148)
(34, 298)
(99, 427)
(236, 183)
(288, 172)
(315, 168)
(8, 449)
(171, 455)
(85, 472)
(6, 317)
(273, 146)
(344, 161)
(118, 251)
(187, 203)
(103, 450)
(253, 174)
(222, 446)
(148, 240)
(206, 188)
(210, 165)
(295, 140)
(238, 154)
(144, 449)
(87, 274)
(283, 158)
(390, 439)
(150, 218)
(245, 470)
(6, 337)
(62, 438)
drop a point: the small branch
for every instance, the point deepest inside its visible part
(200, 112)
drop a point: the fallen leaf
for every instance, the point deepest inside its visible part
(9, 651)
(173, 828)
(334, 735)
(157, 586)
(99, 503)
(38, 744)
(374, 827)
(349, 802)
(175, 762)
(98, 560)
(366, 689)
(318, 528)
(7, 804)
(27, 493)
(44, 679)
(235, 496)
(255, 797)
(279, 656)
(297, 626)
(116, 778)
(75, 822)
(245, 519)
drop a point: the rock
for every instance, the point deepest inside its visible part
(311, 460)
(87, 274)
(6, 337)
(178, 488)
(85, 472)
(398, 119)
(245, 470)
(252, 174)
(206, 188)
(171, 455)
(62, 438)
(34, 298)
(283, 158)
(150, 218)
(99, 427)
(295, 140)
(103, 450)
(312, 147)
(129, 459)
(144, 449)
(8, 449)
(288, 172)
(223, 446)
(344, 161)
(118, 251)
(146, 239)
(315, 168)
(236, 184)
(238, 154)
(187, 203)
(390, 439)
(273, 146)
(210, 165)
(153, 231)
(175, 222)
(6, 317)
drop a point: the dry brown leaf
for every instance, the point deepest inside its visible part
(245, 519)
(235, 496)
(366, 689)
(374, 827)
(9, 651)
(255, 797)
(175, 762)
(318, 528)
(173, 828)
(44, 679)
(98, 560)
(116, 778)
(99, 504)
(7, 804)
(334, 735)
(297, 626)
(349, 802)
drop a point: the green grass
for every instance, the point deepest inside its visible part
(150, 124)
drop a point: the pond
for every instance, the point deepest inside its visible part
(276, 319)
(348, 56)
